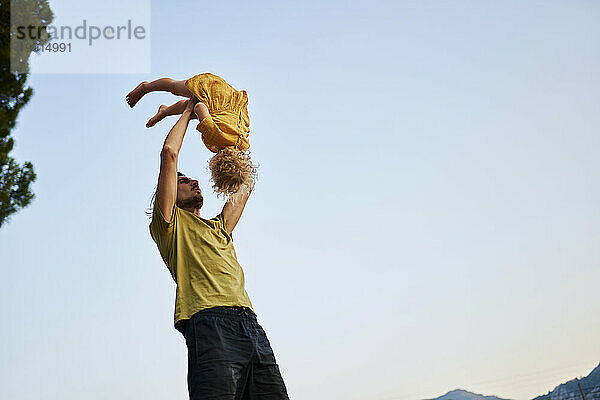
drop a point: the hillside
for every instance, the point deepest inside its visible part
(570, 390)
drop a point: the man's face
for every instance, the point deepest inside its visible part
(188, 193)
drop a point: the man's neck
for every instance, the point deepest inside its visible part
(195, 211)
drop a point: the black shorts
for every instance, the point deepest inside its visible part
(230, 357)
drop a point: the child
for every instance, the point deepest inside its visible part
(224, 125)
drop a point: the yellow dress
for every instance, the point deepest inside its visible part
(228, 124)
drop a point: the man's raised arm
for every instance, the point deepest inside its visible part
(233, 211)
(166, 193)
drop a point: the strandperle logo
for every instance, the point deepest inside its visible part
(80, 36)
(90, 33)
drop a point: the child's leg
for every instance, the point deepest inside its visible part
(164, 111)
(178, 88)
(201, 111)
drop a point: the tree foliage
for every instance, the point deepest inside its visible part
(15, 178)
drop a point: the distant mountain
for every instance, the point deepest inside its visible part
(460, 394)
(570, 390)
(566, 391)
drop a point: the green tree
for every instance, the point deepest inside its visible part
(16, 179)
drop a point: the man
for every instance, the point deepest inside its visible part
(229, 355)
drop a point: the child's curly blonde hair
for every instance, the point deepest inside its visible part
(232, 172)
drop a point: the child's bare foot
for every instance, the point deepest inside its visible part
(136, 94)
(160, 114)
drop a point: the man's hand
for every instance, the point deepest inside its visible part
(189, 107)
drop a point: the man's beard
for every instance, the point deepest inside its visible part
(194, 202)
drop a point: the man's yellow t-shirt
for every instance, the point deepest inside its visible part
(199, 254)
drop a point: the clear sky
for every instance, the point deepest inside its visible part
(426, 216)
